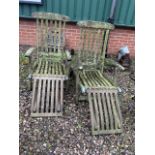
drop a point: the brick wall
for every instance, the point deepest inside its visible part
(118, 37)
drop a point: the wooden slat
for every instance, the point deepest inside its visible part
(59, 35)
(89, 40)
(117, 106)
(56, 95)
(93, 41)
(91, 111)
(49, 67)
(53, 68)
(55, 34)
(58, 104)
(95, 47)
(116, 117)
(82, 79)
(86, 78)
(39, 95)
(98, 41)
(39, 67)
(96, 112)
(33, 95)
(52, 96)
(109, 111)
(51, 27)
(98, 79)
(46, 76)
(48, 95)
(43, 96)
(94, 78)
(42, 67)
(46, 67)
(61, 94)
(47, 32)
(103, 79)
(107, 132)
(102, 42)
(56, 68)
(105, 111)
(63, 29)
(89, 79)
(45, 114)
(82, 44)
(101, 111)
(60, 69)
(42, 34)
(37, 35)
(105, 43)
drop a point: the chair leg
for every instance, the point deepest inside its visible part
(76, 89)
(67, 85)
(29, 84)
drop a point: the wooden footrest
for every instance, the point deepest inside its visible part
(105, 111)
(47, 96)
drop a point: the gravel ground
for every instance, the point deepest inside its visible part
(71, 134)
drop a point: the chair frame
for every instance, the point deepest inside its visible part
(103, 100)
(50, 67)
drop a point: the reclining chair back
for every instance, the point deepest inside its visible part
(93, 42)
(50, 32)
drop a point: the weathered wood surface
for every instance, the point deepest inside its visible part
(102, 94)
(96, 24)
(47, 98)
(105, 111)
(50, 36)
(50, 16)
(93, 79)
(50, 33)
(50, 70)
(93, 42)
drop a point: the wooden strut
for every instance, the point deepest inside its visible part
(105, 111)
(47, 98)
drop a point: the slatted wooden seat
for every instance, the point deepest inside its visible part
(93, 79)
(47, 97)
(50, 68)
(101, 93)
(105, 111)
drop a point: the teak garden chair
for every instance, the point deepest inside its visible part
(50, 70)
(91, 82)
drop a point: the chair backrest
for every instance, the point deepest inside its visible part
(50, 32)
(93, 41)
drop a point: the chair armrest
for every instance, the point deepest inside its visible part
(113, 63)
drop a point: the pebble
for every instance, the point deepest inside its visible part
(62, 135)
(44, 144)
